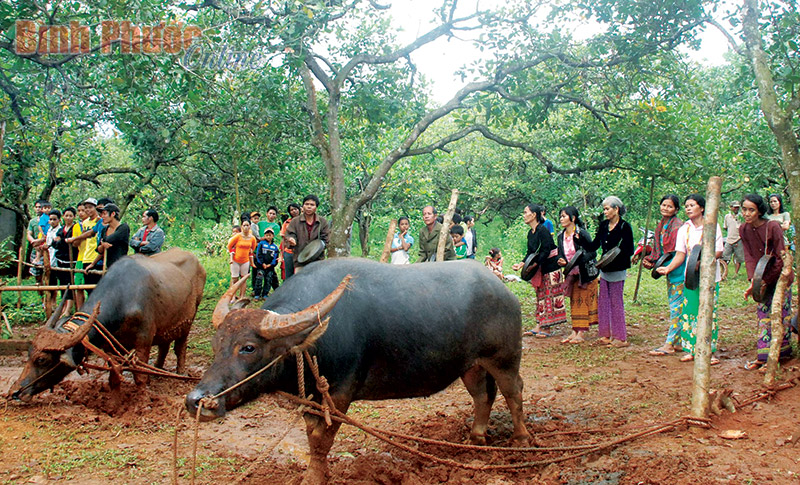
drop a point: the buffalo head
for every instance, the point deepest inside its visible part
(248, 339)
(52, 355)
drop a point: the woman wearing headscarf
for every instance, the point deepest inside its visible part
(547, 279)
(613, 232)
(664, 240)
(761, 236)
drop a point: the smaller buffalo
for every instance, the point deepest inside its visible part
(144, 301)
(394, 332)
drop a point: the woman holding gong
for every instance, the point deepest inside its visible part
(690, 235)
(664, 240)
(581, 278)
(547, 279)
(613, 232)
(761, 236)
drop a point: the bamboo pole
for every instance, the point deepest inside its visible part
(646, 232)
(705, 314)
(19, 269)
(387, 245)
(47, 287)
(776, 314)
(445, 232)
(49, 297)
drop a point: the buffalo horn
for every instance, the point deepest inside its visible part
(51, 322)
(223, 305)
(51, 340)
(276, 326)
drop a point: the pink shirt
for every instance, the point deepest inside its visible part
(569, 251)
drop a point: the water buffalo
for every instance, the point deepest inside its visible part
(394, 332)
(144, 301)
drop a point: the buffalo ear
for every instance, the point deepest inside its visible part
(68, 360)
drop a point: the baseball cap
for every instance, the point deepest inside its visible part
(735, 203)
(110, 208)
(269, 229)
(91, 200)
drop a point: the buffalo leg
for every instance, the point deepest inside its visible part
(320, 440)
(143, 354)
(510, 384)
(482, 388)
(180, 353)
(163, 350)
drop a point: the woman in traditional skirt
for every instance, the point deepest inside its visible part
(580, 284)
(664, 239)
(690, 235)
(762, 236)
(613, 232)
(547, 279)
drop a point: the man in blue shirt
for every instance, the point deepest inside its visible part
(264, 260)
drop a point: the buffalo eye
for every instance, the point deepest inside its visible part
(42, 360)
(247, 349)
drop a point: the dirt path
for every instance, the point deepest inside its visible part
(82, 433)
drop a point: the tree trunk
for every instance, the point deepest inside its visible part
(387, 245)
(364, 220)
(776, 315)
(705, 314)
(448, 218)
(779, 121)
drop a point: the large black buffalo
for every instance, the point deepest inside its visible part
(144, 301)
(394, 332)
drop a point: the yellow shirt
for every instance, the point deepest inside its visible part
(88, 247)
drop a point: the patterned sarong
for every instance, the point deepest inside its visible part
(689, 320)
(676, 300)
(550, 307)
(765, 327)
(583, 305)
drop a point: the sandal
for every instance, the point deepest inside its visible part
(687, 358)
(658, 352)
(618, 344)
(753, 365)
(714, 361)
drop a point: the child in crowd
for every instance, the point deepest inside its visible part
(494, 261)
(264, 261)
(457, 232)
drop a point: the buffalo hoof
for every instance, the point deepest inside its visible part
(315, 476)
(520, 441)
(476, 439)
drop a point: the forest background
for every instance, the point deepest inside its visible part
(572, 101)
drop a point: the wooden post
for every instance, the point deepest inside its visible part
(705, 314)
(19, 269)
(448, 218)
(646, 231)
(49, 296)
(776, 314)
(387, 245)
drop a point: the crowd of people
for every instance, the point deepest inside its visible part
(595, 286)
(78, 243)
(89, 238)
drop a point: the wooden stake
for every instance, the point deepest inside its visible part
(46, 287)
(776, 315)
(387, 245)
(448, 218)
(646, 231)
(705, 315)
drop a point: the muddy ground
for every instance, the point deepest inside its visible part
(574, 395)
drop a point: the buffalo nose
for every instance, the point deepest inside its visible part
(193, 400)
